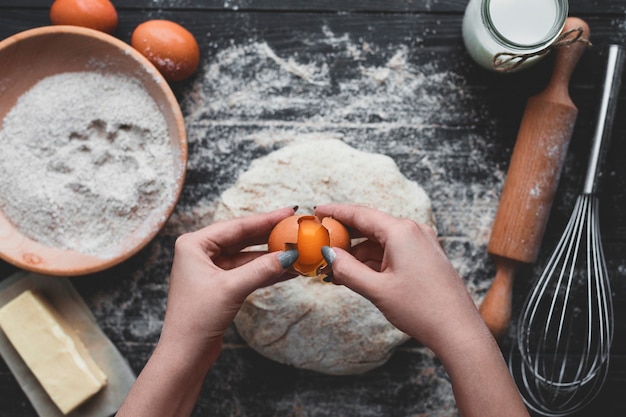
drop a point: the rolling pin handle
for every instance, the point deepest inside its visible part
(496, 306)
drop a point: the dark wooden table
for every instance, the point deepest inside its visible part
(454, 135)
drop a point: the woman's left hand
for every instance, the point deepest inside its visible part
(211, 277)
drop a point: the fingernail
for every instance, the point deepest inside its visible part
(295, 208)
(287, 258)
(328, 278)
(329, 255)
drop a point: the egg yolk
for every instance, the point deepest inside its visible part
(311, 237)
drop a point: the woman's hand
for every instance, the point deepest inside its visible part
(402, 269)
(210, 279)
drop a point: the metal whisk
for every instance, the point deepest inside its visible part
(565, 329)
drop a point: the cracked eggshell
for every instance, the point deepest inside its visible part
(308, 234)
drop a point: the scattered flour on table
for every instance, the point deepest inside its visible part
(85, 158)
(252, 82)
(252, 99)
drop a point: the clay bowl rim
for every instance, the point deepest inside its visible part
(23, 252)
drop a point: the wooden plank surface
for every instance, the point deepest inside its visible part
(580, 7)
(449, 125)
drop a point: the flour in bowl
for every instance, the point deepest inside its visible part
(85, 158)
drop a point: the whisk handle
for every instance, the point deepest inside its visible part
(606, 116)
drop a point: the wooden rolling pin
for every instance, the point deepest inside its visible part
(531, 182)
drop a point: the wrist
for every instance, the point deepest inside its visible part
(459, 337)
(171, 381)
(187, 357)
(471, 343)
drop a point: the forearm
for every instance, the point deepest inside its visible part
(170, 383)
(480, 378)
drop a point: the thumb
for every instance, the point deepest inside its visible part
(264, 270)
(349, 271)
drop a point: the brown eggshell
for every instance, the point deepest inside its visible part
(94, 14)
(339, 235)
(169, 46)
(285, 233)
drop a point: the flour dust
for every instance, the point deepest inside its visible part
(253, 98)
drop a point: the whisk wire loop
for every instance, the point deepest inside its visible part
(564, 344)
(565, 328)
(562, 272)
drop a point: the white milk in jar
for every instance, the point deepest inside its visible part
(514, 28)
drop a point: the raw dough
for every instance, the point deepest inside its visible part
(305, 322)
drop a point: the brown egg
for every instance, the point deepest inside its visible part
(95, 14)
(169, 46)
(308, 234)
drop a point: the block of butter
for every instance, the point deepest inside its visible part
(52, 350)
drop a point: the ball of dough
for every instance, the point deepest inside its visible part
(305, 322)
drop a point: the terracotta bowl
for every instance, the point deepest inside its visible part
(29, 56)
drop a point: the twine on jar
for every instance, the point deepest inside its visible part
(506, 61)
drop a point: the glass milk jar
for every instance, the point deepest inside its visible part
(513, 32)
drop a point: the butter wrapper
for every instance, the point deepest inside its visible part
(68, 302)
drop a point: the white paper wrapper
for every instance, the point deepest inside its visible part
(61, 293)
